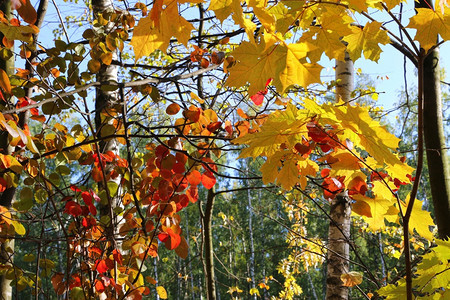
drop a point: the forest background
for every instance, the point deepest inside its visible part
(196, 149)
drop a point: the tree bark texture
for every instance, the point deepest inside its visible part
(104, 102)
(338, 247)
(434, 136)
(340, 209)
(209, 247)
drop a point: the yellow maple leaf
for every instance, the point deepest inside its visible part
(429, 24)
(366, 40)
(222, 8)
(280, 127)
(149, 35)
(288, 176)
(373, 210)
(326, 36)
(225, 8)
(420, 220)
(259, 62)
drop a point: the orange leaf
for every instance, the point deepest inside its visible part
(194, 178)
(213, 126)
(57, 282)
(27, 12)
(208, 180)
(4, 82)
(156, 11)
(172, 109)
(204, 63)
(99, 286)
(352, 278)
(183, 249)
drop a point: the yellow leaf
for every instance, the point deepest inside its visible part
(21, 33)
(288, 176)
(420, 220)
(366, 39)
(161, 292)
(332, 25)
(222, 8)
(257, 63)
(197, 98)
(254, 291)
(352, 278)
(18, 227)
(5, 215)
(429, 24)
(149, 36)
(374, 217)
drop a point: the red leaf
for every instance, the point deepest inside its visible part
(208, 180)
(258, 98)
(87, 198)
(3, 184)
(73, 208)
(100, 266)
(332, 186)
(179, 168)
(161, 151)
(117, 256)
(75, 188)
(213, 126)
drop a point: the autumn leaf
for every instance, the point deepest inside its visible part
(281, 62)
(161, 292)
(366, 40)
(352, 278)
(5, 85)
(27, 12)
(183, 249)
(373, 210)
(429, 24)
(208, 180)
(150, 35)
(420, 220)
(21, 33)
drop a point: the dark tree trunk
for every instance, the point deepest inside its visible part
(434, 136)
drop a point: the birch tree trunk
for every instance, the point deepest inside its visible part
(105, 100)
(340, 209)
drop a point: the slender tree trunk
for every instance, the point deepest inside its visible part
(250, 232)
(340, 209)
(208, 246)
(189, 264)
(106, 100)
(434, 135)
